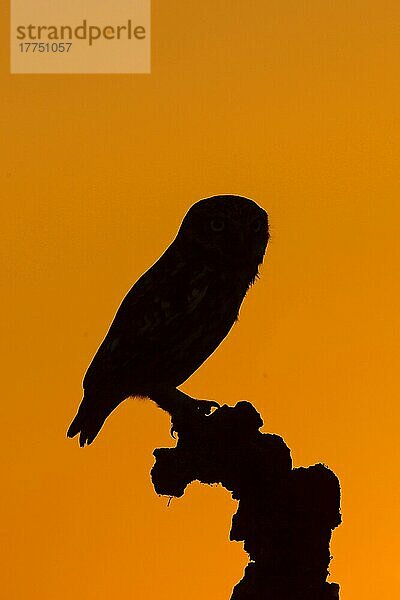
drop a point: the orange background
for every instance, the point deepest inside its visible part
(295, 104)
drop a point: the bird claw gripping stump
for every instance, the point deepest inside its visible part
(188, 412)
(285, 516)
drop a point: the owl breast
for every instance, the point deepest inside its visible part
(193, 335)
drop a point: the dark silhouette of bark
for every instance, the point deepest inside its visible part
(285, 516)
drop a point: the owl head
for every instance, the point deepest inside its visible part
(226, 230)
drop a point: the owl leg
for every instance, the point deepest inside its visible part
(184, 409)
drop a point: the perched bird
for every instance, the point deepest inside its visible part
(177, 313)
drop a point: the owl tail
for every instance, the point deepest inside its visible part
(88, 421)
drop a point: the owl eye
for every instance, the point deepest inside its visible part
(217, 224)
(257, 225)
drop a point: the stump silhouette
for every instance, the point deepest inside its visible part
(285, 516)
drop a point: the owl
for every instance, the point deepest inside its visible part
(176, 314)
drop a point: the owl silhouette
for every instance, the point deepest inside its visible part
(176, 314)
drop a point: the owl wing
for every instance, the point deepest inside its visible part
(153, 312)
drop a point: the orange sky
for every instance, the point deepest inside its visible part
(295, 104)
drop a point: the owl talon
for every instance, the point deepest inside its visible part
(189, 412)
(205, 407)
